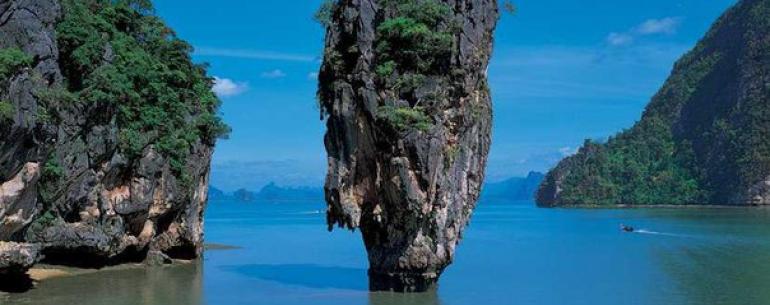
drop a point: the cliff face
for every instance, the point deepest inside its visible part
(704, 138)
(409, 116)
(81, 180)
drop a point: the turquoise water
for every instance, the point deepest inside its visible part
(513, 253)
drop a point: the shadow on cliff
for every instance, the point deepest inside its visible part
(15, 283)
(307, 275)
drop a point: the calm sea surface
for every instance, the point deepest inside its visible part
(513, 253)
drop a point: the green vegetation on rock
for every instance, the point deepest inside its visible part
(52, 170)
(412, 45)
(416, 41)
(11, 61)
(509, 7)
(50, 176)
(405, 118)
(118, 53)
(6, 111)
(325, 13)
(647, 164)
(41, 223)
(642, 166)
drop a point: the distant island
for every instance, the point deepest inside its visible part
(270, 192)
(518, 188)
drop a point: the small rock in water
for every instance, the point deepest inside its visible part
(157, 258)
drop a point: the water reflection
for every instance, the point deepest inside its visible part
(164, 285)
(15, 283)
(727, 262)
(512, 255)
(306, 275)
(720, 275)
(389, 298)
(319, 277)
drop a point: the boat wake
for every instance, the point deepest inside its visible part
(643, 231)
(316, 212)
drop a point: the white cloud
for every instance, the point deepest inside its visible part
(253, 54)
(567, 151)
(619, 39)
(277, 73)
(667, 25)
(225, 87)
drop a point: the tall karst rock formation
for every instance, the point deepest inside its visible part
(704, 138)
(404, 86)
(106, 133)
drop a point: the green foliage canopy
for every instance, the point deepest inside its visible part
(11, 61)
(405, 118)
(647, 164)
(412, 44)
(117, 52)
(414, 41)
(325, 13)
(6, 111)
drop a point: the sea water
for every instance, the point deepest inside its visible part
(512, 253)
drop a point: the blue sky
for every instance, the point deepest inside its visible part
(563, 71)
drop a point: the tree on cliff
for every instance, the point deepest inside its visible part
(148, 75)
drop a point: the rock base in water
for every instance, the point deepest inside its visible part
(402, 282)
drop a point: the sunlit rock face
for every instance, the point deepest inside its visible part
(16, 258)
(67, 191)
(408, 129)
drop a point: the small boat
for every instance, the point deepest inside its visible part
(626, 228)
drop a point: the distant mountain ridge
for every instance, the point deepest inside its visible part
(270, 192)
(518, 188)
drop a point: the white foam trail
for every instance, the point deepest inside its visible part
(316, 212)
(643, 231)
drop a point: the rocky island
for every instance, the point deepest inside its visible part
(403, 87)
(106, 133)
(704, 138)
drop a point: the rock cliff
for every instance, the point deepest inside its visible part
(104, 152)
(403, 86)
(703, 139)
